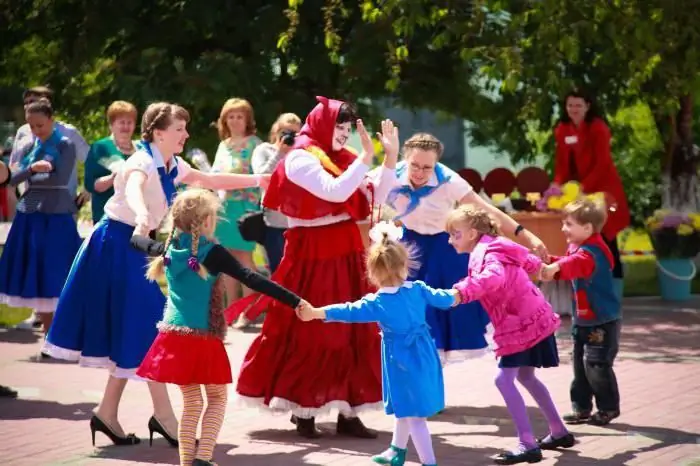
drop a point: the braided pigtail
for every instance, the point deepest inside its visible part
(193, 261)
(156, 266)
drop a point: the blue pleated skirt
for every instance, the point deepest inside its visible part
(36, 259)
(543, 354)
(459, 332)
(108, 310)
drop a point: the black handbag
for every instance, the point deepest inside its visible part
(252, 226)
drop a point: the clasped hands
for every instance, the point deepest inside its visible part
(306, 312)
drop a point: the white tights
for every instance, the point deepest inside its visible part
(415, 428)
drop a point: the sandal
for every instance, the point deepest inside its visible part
(603, 418)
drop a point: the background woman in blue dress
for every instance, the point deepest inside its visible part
(43, 238)
(426, 192)
(108, 310)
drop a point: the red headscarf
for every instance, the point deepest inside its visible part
(316, 137)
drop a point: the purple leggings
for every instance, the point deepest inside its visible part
(505, 381)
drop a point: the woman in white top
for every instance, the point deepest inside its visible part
(108, 310)
(425, 192)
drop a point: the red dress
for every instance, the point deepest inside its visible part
(312, 367)
(583, 155)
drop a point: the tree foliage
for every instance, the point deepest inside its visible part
(525, 55)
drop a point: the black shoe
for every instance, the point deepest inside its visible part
(293, 419)
(198, 462)
(577, 417)
(534, 455)
(603, 418)
(7, 392)
(353, 427)
(307, 428)
(97, 425)
(154, 425)
(551, 443)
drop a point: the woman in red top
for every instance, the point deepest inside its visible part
(583, 154)
(311, 368)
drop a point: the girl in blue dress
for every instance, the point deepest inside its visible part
(412, 382)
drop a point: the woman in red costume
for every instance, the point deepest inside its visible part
(583, 154)
(310, 368)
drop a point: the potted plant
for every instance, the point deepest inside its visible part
(675, 237)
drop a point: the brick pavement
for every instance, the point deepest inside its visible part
(658, 370)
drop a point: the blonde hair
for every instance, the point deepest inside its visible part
(286, 119)
(586, 210)
(160, 115)
(423, 141)
(121, 108)
(389, 262)
(474, 218)
(189, 211)
(236, 105)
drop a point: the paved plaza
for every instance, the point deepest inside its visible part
(658, 370)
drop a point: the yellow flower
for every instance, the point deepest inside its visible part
(597, 197)
(556, 202)
(685, 230)
(696, 220)
(571, 190)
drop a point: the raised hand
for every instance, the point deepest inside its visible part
(367, 144)
(389, 137)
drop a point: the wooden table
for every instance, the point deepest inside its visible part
(547, 227)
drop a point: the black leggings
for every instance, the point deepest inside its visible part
(617, 268)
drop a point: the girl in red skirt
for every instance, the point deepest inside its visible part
(189, 350)
(310, 367)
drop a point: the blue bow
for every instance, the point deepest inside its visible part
(167, 179)
(415, 195)
(44, 150)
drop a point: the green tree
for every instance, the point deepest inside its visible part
(532, 53)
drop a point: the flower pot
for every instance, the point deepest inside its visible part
(675, 278)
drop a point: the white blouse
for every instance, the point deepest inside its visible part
(305, 170)
(117, 207)
(430, 217)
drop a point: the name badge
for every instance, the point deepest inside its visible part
(571, 140)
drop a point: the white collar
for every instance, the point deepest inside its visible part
(158, 158)
(394, 289)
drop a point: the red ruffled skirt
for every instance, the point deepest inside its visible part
(315, 366)
(186, 359)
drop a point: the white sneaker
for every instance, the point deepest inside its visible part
(27, 324)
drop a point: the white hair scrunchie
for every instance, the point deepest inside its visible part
(392, 231)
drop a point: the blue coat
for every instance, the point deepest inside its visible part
(412, 383)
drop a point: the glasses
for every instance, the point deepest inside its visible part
(422, 168)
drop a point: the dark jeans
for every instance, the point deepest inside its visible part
(274, 246)
(595, 349)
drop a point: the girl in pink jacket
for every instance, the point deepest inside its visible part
(523, 321)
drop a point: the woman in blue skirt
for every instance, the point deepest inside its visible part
(43, 238)
(427, 191)
(108, 310)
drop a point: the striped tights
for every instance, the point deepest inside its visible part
(212, 421)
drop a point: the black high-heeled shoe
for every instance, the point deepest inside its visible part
(154, 425)
(98, 425)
